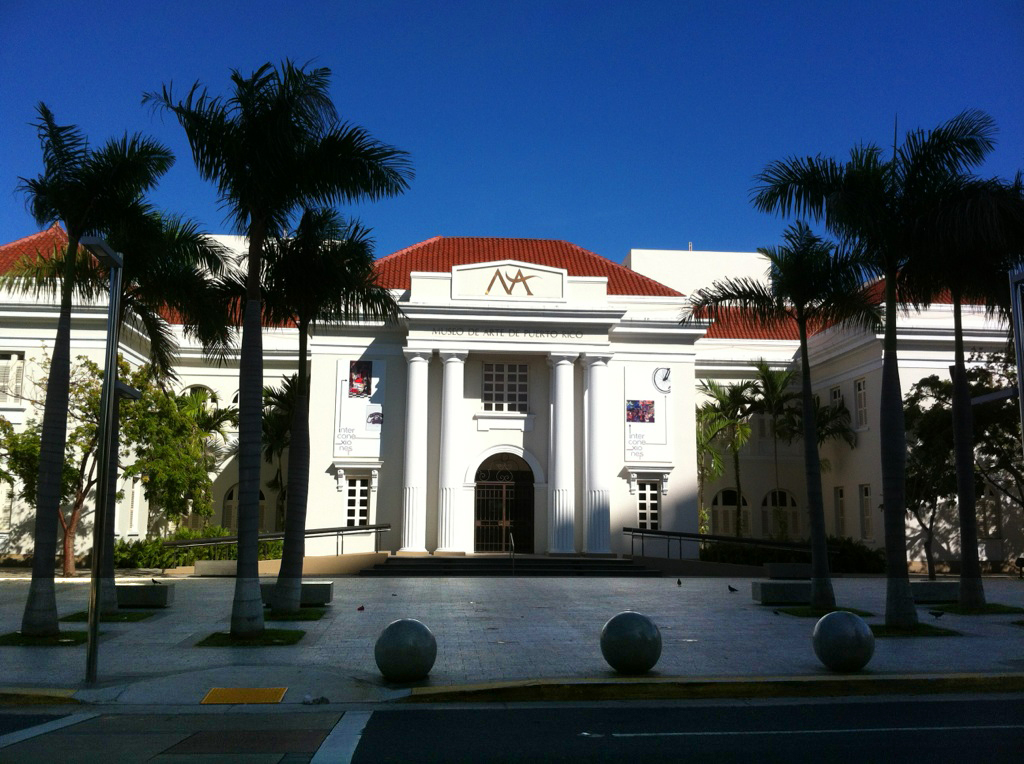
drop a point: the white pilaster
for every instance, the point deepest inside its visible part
(599, 412)
(561, 507)
(450, 482)
(414, 477)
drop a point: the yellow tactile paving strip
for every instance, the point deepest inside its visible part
(239, 695)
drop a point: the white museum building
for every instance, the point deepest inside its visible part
(532, 393)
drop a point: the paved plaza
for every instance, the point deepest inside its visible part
(487, 630)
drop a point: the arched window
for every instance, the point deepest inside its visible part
(780, 516)
(229, 517)
(723, 514)
(208, 396)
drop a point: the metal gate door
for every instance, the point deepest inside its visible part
(494, 507)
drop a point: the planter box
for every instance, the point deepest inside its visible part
(781, 592)
(314, 593)
(216, 567)
(144, 595)
(788, 570)
(926, 592)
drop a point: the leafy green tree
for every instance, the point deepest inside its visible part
(274, 147)
(87, 190)
(878, 207)
(973, 239)
(932, 481)
(731, 406)
(811, 286)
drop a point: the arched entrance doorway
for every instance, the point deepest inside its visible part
(503, 505)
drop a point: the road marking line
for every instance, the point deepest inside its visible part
(340, 744)
(845, 731)
(41, 729)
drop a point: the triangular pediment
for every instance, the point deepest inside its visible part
(510, 280)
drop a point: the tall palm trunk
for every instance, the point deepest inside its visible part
(288, 592)
(972, 591)
(900, 611)
(822, 594)
(40, 617)
(247, 607)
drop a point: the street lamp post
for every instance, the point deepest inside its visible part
(107, 256)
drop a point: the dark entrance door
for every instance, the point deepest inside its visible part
(504, 505)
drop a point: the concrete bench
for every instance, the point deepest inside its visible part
(314, 593)
(781, 592)
(935, 591)
(144, 595)
(788, 570)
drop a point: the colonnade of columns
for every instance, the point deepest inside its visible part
(454, 532)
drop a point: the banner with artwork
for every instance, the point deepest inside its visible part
(359, 408)
(646, 410)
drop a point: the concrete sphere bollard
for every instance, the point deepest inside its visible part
(405, 651)
(843, 642)
(631, 643)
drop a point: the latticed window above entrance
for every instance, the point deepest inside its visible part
(357, 502)
(505, 387)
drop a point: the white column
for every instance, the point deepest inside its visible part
(561, 507)
(414, 478)
(452, 444)
(599, 413)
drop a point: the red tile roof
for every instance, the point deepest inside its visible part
(734, 325)
(439, 254)
(42, 243)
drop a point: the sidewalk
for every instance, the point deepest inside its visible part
(488, 630)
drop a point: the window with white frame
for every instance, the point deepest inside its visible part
(780, 507)
(6, 507)
(12, 369)
(839, 504)
(835, 395)
(505, 387)
(860, 389)
(864, 492)
(648, 502)
(990, 516)
(723, 514)
(229, 515)
(357, 501)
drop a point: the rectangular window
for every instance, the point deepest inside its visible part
(12, 369)
(648, 503)
(865, 511)
(860, 388)
(835, 395)
(505, 387)
(357, 501)
(6, 506)
(839, 502)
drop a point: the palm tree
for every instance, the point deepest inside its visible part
(974, 237)
(731, 404)
(87, 190)
(772, 398)
(276, 145)
(279, 405)
(878, 205)
(813, 287)
(832, 422)
(710, 466)
(322, 273)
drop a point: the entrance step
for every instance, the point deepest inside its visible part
(501, 565)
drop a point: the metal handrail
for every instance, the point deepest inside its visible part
(681, 536)
(341, 531)
(512, 551)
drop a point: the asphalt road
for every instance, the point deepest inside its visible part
(970, 729)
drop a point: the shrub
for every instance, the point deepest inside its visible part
(845, 555)
(151, 553)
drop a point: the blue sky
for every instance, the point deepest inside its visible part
(613, 125)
